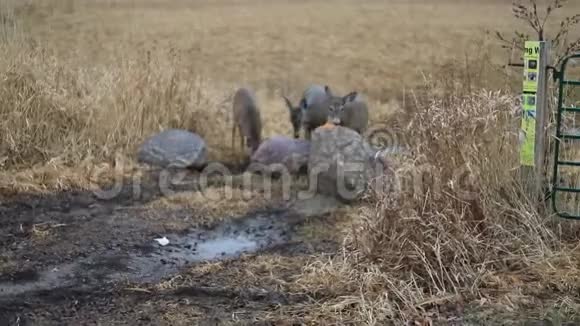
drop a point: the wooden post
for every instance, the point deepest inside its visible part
(542, 109)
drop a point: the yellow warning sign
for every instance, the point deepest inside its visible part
(530, 87)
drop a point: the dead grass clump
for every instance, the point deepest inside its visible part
(55, 175)
(33, 122)
(454, 215)
(214, 203)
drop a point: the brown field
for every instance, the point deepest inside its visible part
(119, 70)
(82, 83)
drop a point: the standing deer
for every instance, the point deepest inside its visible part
(310, 112)
(347, 111)
(247, 119)
(295, 115)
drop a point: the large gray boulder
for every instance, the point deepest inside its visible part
(290, 152)
(341, 162)
(174, 148)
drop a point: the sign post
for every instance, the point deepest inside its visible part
(534, 107)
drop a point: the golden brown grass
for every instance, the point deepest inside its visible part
(81, 83)
(88, 80)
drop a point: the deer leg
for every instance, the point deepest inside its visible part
(307, 133)
(243, 145)
(233, 136)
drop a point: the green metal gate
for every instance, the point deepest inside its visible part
(558, 160)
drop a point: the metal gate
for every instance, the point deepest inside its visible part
(559, 161)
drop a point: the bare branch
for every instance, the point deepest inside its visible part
(530, 14)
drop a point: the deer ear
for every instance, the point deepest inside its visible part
(327, 90)
(288, 103)
(349, 97)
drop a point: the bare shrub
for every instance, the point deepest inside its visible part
(531, 14)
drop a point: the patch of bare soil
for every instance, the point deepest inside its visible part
(73, 258)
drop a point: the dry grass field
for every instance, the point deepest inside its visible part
(111, 72)
(82, 83)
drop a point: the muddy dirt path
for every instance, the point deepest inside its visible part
(69, 254)
(154, 261)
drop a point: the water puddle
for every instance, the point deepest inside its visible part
(61, 276)
(153, 262)
(229, 240)
(215, 248)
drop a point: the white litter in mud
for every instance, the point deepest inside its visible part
(162, 241)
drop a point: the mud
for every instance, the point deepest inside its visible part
(66, 258)
(153, 262)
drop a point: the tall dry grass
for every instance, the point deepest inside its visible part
(63, 116)
(452, 230)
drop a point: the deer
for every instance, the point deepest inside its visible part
(319, 106)
(247, 120)
(347, 111)
(310, 112)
